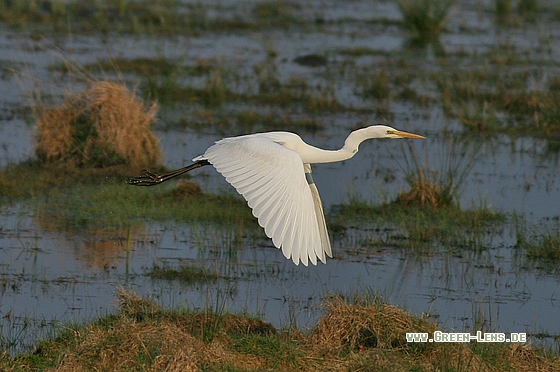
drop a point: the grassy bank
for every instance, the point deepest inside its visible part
(364, 334)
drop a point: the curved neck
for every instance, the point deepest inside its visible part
(350, 148)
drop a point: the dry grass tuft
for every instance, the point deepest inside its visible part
(362, 326)
(425, 193)
(431, 188)
(133, 306)
(146, 337)
(134, 346)
(525, 359)
(372, 336)
(104, 126)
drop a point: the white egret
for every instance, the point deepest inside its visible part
(273, 173)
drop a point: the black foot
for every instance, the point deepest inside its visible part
(150, 179)
(146, 179)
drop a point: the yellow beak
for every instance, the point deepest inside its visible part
(402, 134)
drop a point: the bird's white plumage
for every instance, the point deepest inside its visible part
(273, 172)
(321, 224)
(271, 177)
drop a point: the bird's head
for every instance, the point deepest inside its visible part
(388, 132)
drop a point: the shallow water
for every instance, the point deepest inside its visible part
(48, 274)
(66, 276)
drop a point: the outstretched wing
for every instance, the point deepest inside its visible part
(272, 179)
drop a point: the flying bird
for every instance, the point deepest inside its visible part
(273, 173)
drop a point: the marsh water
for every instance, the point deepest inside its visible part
(54, 275)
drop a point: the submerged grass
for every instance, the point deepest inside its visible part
(496, 93)
(515, 12)
(248, 121)
(422, 229)
(351, 336)
(276, 12)
(34, 178)
(147, 67)
(182, 273)
(499, 100)
(540, 246)
(164, 80)
(162, 17)
(425, 17)
(547, 249)
(216, 92)
(436, 188)
(118, 203)
(427, 216)
(80, 197)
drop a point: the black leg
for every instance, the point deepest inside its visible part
(150, 179)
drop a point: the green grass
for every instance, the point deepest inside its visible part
(279, 351)
(528, 8)
(503, 8)
(426, 18)
(33, 178)
(166, 89)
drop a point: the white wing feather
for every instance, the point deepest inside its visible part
(271, 178)
(325, 241)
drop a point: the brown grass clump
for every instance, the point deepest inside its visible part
(145, 337)
(186, 189)
(526, 359)
(425, 193)
(134, 346)
(101, 127)
(132, 305)
(361, 326)
(372, 336)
